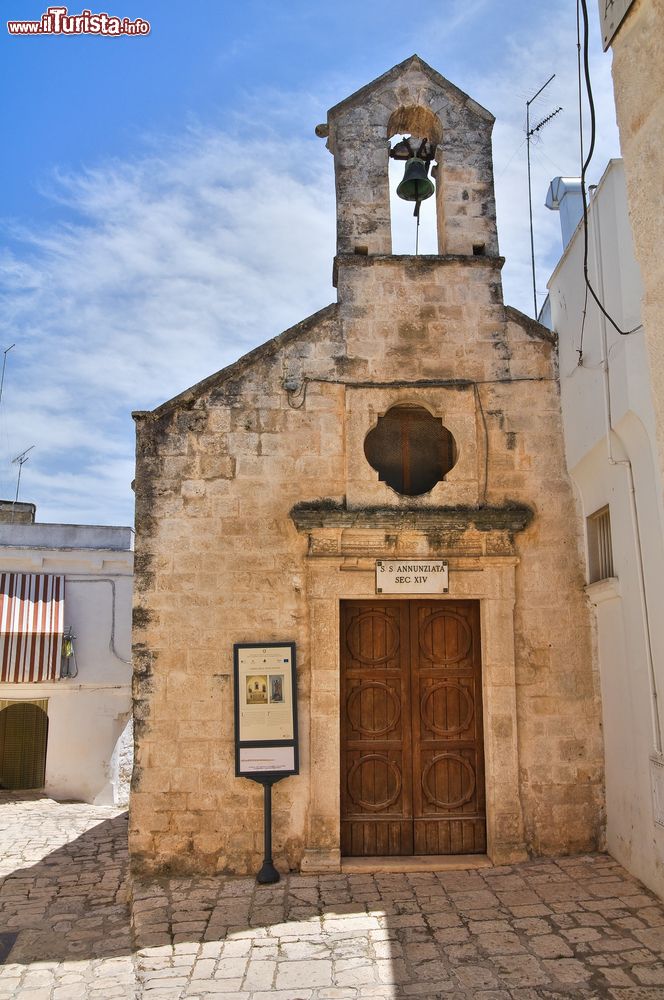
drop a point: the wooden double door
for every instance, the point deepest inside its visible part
(412, 753)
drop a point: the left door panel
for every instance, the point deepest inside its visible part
(376, 765)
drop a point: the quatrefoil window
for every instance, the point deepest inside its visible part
(410, 450)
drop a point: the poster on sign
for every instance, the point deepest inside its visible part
(265, 710)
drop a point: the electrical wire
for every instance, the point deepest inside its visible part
(583, 325)
(427, 383)
(539, 153)
(578, 78)
(103, 579)
(500, 173)
(584, 167)
(296, 398)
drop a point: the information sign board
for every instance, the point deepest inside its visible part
(266, 743)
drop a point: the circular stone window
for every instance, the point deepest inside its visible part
(410, 450)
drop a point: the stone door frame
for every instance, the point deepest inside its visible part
(411, 700)
(489, 580)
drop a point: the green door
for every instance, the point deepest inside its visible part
(23, 736)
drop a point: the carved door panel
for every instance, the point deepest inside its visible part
(412, 761)
(376, 794)
(449, 813)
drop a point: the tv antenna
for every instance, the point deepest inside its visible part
(20, 460)
(530, 132)
(4, 365)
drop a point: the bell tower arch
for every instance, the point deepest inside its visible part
(412, 98)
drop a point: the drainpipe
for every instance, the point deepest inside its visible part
(627, 465)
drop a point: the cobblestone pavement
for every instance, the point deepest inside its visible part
(572, 927)
(63, 887)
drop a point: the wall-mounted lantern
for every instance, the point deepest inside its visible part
(68, 665)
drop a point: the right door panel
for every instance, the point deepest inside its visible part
(449, 811)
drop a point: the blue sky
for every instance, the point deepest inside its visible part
(165, 205)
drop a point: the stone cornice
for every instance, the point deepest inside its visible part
(326, 514)
(421, 262)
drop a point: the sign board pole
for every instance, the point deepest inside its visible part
(268, 872)
(266, 738)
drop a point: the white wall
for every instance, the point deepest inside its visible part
(628, 608)
(89, 714)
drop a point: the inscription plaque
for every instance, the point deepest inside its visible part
(412, 576)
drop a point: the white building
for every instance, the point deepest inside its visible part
(609, 427)
(65, 707)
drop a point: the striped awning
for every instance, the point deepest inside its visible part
(31, 626)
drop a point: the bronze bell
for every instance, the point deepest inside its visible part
(416, 185)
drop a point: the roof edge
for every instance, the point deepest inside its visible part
(188, 396)
(442, 81)
(532, 327)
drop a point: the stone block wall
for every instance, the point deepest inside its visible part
(219, 559)
(219, 562)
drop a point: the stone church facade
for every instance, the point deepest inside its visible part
(417, 418)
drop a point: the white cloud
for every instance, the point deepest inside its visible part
(459, 14)
(183, 262)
